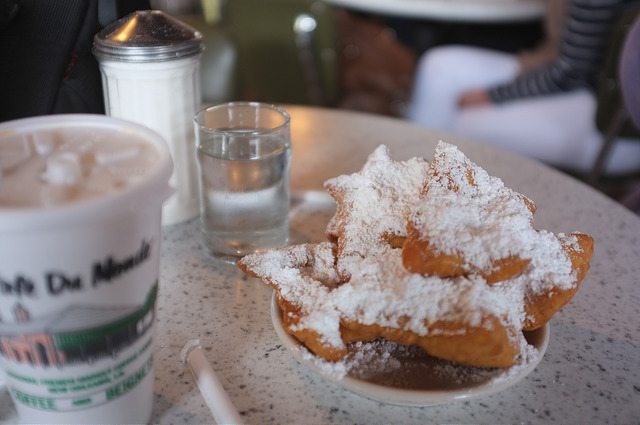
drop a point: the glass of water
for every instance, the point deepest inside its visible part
(244, 154)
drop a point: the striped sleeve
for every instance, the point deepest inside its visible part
(589, 24)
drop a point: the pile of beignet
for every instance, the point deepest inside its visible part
(436, 254)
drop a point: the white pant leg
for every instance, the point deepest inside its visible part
(444, 73)
(559, 130)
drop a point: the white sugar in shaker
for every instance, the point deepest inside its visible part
(150, 65)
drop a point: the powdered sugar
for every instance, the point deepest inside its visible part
(459, 208)
(570, 241)
(473, 215)
(381, 292)
(304, 276)
(373, 204)
(362, 360)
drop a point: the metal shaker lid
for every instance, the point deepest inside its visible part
(147, 36)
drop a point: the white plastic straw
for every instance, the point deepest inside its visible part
(210, 387)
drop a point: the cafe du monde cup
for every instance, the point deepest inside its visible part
(80, 215)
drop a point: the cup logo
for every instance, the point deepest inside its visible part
(57, 282)
(55, 340)
(81, 355)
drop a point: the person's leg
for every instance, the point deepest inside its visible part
(444, 73)
(559, 130)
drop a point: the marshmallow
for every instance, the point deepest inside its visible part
(44, 142)
(63, 169)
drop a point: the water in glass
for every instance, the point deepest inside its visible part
(245, 192)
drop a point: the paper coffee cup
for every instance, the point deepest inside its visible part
(78, 285)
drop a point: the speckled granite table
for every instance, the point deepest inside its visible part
(590, 373)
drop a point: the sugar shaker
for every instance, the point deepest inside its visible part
(150, 67)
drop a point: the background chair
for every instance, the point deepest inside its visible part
(630, 73)
(630, 83)
(286, 50)
(612, 115)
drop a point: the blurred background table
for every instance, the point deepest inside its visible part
(589, 373)
(451, 10)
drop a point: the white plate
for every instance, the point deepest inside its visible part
(410, 377)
